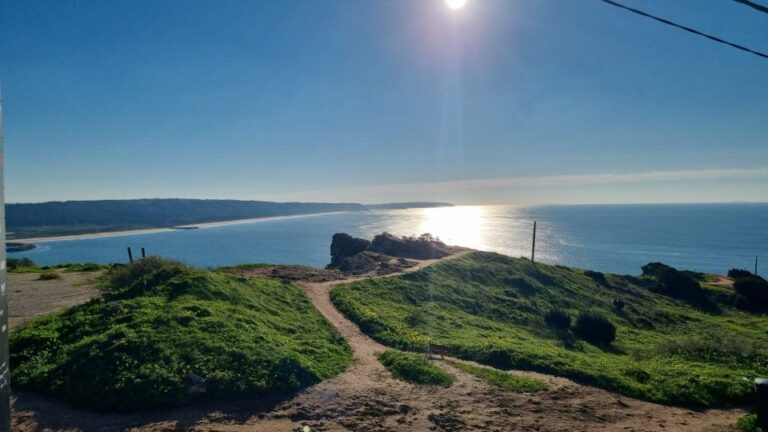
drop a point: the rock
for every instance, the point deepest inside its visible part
(344, 245)
(423, 247)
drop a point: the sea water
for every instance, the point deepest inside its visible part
(610, 238)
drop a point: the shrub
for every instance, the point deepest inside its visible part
(415, 369)
(595, 328)
(739, 273)
(748, 423)
(618, 304)
(140, 275)
(596, 276)
(676, 284)
(16, 263)
(558, 319)
(754, 290)
(49, 275)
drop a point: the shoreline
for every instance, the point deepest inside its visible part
(188, 227)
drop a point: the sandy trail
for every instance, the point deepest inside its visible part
(366, 398)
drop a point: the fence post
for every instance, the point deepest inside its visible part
(533, 246)
(130, 254)
(143, 255)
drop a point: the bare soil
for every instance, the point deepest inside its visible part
(30, 297)
(366, 398)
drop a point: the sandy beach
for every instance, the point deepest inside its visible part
(161, 230)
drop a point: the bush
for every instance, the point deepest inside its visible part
(735, 273)
(595, 328)
(754, 290)
(748, 423)
(415, 369)
(49, 275)
(16, 263)
(146, 273)
(676, 284)
(558, 319)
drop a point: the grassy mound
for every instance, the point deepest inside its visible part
(502, 379)
(491, 308)
(158, 321)
(415, 369)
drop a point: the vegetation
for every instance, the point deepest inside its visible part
(748, 423)
(595, 328)
(754, 291)
(558, 319)
(158, 321)
(26, 265)
(49, 275)
(502, 379)
(491, 309)
(414, 368)
(673, 283)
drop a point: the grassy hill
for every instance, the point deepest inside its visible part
(159, 321)
(491, 308)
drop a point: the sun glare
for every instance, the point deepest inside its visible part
(455, 4)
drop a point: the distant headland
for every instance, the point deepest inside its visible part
(73, 218)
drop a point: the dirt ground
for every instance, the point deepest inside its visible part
(30, 297)
(366, 398)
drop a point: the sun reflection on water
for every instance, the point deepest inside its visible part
(464, 225)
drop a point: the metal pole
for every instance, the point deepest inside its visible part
(130, 255)
(533, 246)
(5, 378)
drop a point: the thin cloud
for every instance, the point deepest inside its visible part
(463, 188)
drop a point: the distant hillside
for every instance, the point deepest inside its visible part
(80, 217)
(407, 205)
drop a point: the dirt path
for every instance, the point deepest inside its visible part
(366, 398)
(30, 297)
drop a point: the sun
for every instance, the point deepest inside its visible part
(455, 4)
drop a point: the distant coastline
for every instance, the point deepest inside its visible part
(123, 233)
(65, 220)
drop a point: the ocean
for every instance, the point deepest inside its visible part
(609, 238)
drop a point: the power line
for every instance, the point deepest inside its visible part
(688, 29)
(753, 5)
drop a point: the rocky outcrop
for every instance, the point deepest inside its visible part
(344, 245)
(385, 254)
(423, 247)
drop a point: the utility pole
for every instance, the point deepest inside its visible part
(5, 376)
(533, 245)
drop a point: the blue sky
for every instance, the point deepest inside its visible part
(505, 101)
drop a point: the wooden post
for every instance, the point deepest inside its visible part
(533, 246)
(143, 255)
(130, 255)
(755, 266)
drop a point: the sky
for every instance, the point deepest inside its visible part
(502, 102)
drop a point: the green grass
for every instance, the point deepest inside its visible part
(748, 423)
(490, 308)
(158, 321)
(502, 379)
(415, 369)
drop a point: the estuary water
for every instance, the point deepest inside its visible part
(609, 238)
